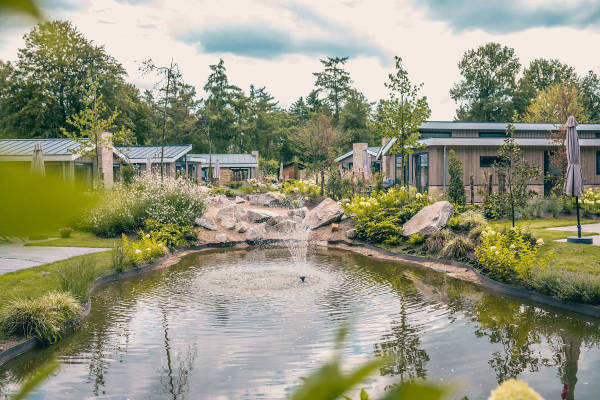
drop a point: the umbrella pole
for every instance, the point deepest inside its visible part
(578, 223)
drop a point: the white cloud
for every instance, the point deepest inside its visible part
(133, 30)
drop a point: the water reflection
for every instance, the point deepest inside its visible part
(241, 325)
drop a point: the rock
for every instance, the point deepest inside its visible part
(221, 237)
(335, 227)
(325, 213)
(206, 223)
(220, 201)
(285, 226)
(241, 227)
(260, 215)
(228, 216)
(430, 219)
(300, 212)
(239, 200)
(351, 233)
(256, 233)
(268, 199)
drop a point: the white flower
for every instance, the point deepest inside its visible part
(497, 252)
(492, 248)
(138, 251)
(512, 246)
(539, 242)
(147, 235)
(418, 195)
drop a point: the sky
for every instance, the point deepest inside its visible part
(278, 44)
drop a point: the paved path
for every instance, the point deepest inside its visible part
(16, 256)
(594, 228)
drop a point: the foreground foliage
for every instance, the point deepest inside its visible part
(44, 318)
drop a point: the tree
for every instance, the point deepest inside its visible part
(335, 81)
(401, 115)
(354, 123)
(313, 141)
(456, 189)
(589, 87)
(91, 122)
(541, 74)
(488, 85)
(516, 172)
(168, 79)
(43, 87)
(555, 104)
(218, 107)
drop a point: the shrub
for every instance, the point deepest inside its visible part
(235, 184)
(65, 232)
(128, 173)
(458, 248)
(435, 243)
(125, 208)
(591, 201)
(494, 206)
(143, 251)
(566, 285)
(171, 235)
(453, 222)
(456, 188)
(119, 258)
(470, 219)
(296, 188)
(416, 238)
(216, 190)
(44, 318)
(475, 233)
(253, 186)
(76, 277)
(379, 218)
(509, 254)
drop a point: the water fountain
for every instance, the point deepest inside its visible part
(296, 237)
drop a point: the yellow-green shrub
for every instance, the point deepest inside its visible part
(509, 254)
(143, 251)
(591, 201)
(308, 191)
(379, 217)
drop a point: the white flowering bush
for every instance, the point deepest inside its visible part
(591, 201)
(379, 217)
(513, 389)
(509, 254)
(126, 208)
(293, 189)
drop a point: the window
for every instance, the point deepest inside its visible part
(597, 135)
(376, 166)
(598, 163)
(487, 161)
(116, 172)
(427, 135)
(398, 173)
(498, 134)
(421, 171)
(347, 165)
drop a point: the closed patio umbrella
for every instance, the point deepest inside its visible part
(367, 165)
(217, 171)
(37, 160)
(574, 178)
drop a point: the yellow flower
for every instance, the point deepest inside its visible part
(514, 389)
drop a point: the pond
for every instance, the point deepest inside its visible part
(239, 324)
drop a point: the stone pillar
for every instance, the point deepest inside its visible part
(358, 158)
(106, 159)
(254, 171)
(385, 160)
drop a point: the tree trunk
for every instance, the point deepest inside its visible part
(322, 181)
(472, 184)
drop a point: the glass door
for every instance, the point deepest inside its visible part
(421, 171)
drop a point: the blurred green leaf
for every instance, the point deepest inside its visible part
(35, 380)
(28, 7)
(33, 204)
(363, 395)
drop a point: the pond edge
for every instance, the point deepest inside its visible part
(173, 258)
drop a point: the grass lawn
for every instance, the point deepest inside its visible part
(77, 239)
(573, 257)
(36, 281)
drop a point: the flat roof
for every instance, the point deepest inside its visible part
(59, 149)
(141, 154)
(226, 160)
(499, 126)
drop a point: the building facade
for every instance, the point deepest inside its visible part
(476, 145)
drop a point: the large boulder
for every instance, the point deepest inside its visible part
(220, 201)
(258, 216)
(221, 237)
(257, 233)
(241, 227)
(430, 219)
(206, 223)
(325, 213)
(269, 199)
(285, 226)
(228, 216)
(239, 200)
